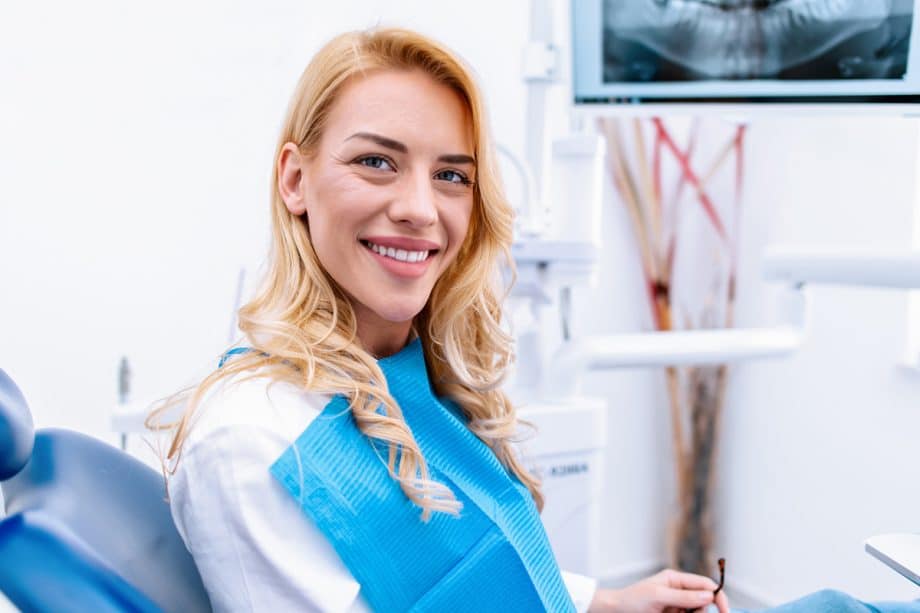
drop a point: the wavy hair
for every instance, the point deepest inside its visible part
(302, 325)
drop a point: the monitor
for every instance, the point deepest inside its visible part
(748, 52)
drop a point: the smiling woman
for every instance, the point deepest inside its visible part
(386, 196)
(357, 452)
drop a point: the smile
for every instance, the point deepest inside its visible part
(401, 255)
(400, 262)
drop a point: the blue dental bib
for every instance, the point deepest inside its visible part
(494, 557)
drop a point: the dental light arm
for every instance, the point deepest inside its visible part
(866, 268)
(796, 267)
(666, 349)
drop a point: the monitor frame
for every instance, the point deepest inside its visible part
(752, 97)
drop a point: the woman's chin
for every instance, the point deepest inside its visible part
(399, 313)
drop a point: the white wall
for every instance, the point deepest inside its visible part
(820, 449)
(134, 161)
(135, 157)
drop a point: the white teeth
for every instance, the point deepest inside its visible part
(399, 254)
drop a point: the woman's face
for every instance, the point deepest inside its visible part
(388, 193)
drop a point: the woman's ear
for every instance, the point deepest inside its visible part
(290, 179)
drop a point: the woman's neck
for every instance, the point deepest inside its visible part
(383, 338)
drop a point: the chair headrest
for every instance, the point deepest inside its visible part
(17, 434)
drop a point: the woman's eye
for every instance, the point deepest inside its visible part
(452, 176)
(375, 161)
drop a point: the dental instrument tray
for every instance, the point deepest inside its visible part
(899, 551)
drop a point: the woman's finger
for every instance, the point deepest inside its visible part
(722, 602)
(689, 581)
(689, 599)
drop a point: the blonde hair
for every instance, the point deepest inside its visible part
(302, 325)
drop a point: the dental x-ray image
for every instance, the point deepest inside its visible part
(684, 40)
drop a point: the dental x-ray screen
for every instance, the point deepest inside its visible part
(797, 51)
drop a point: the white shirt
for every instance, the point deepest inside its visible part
(255, 548)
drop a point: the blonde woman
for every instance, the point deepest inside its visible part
(357, 453)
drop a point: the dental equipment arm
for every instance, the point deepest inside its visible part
(843, 267)
(665, 348)
(794, 266)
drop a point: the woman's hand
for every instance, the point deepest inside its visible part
(669, 591)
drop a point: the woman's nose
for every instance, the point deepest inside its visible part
(415, 204)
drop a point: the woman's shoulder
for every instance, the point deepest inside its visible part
(254, 402)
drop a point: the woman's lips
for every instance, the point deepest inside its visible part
(399, 268)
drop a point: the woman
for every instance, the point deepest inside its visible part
(357, 453)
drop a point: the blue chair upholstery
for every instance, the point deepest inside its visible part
(88, 526)
(16, 433)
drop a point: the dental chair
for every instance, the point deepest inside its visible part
(87, 527)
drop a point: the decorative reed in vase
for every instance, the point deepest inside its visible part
(696, 394)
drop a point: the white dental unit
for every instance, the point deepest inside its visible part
(556, 251)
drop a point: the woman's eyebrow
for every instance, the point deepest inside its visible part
(395, 145)
(383, 141)
(456, 158)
